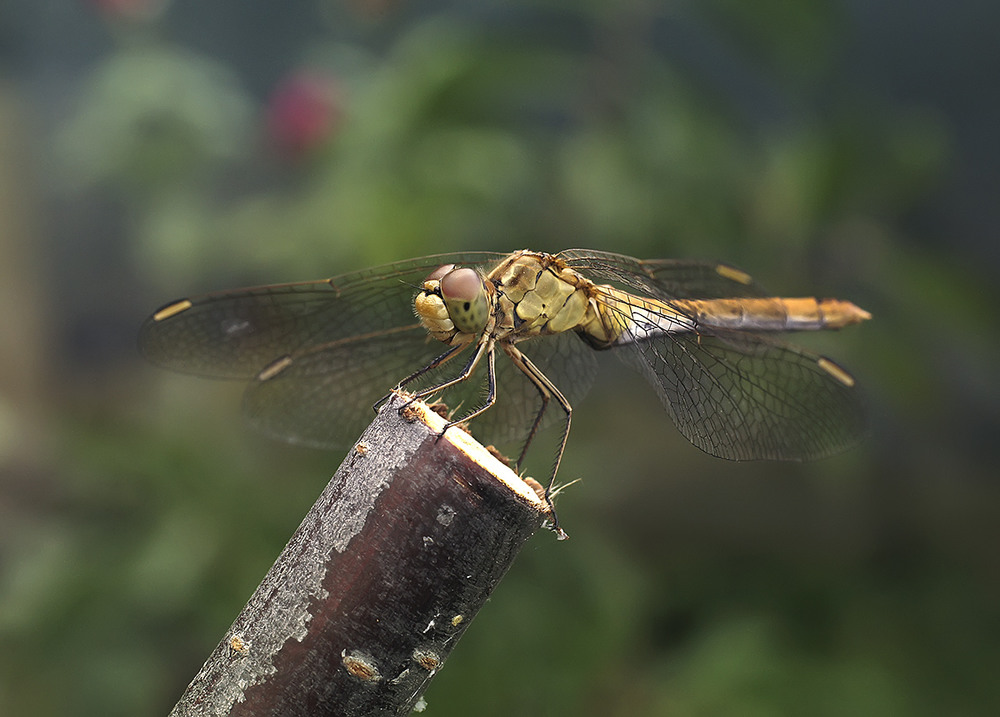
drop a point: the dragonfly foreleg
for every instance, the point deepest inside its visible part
(443, 358)
(491, 385)
(483, 348)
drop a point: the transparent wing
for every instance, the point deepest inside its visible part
(324, 396)
(234, 334)
(746, 398)
(296, 404)
(733, 394)
(696, 280)
(345, 341)
(665, 278)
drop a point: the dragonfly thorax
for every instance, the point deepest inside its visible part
(454, 304)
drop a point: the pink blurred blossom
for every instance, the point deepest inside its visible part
(303, 112)
(136, 10)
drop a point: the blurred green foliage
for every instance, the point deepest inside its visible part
(136, 517)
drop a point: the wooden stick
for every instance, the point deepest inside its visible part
(378, 583)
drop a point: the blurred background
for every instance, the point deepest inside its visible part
(151, 149)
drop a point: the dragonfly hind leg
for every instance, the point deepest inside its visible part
(547, 390)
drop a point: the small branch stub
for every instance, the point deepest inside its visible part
(378, 583)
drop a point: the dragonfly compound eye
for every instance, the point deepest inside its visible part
(465, 296)
(440, 272)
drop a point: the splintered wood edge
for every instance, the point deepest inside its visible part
(478, 453)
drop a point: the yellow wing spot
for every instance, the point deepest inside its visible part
(836, 371)
(733, 274)
(274, 368)
(175, 308)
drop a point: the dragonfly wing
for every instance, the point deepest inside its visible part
(323, 396)
(234, 334)
(743, 397)
(735, 395)
(664, 278)
(318, 354)
(699, 280)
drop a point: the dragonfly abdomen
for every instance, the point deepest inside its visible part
(772, 314)
(625, 318)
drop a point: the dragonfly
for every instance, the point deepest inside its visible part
(318, 354)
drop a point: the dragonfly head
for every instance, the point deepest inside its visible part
(457, 296)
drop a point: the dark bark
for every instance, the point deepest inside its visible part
(376, 586)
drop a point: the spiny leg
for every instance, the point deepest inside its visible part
(483, 347)
(547, 389)
(516, 356)
(491, 383)
(534, 426)
(443, 358)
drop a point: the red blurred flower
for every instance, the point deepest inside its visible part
(303, 112)
(141, 10)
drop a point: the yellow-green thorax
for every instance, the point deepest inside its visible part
(538, 295)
